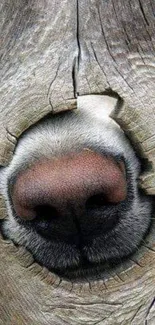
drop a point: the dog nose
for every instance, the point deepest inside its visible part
(71, 182)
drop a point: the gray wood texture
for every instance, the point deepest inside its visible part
(38, 56)
(31, 294)
(52, 52)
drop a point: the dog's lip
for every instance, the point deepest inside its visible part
(83, 270)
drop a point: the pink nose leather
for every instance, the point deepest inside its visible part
(66, 181)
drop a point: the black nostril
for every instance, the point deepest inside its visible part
(46, 212)
(96, 201)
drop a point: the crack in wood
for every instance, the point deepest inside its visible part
(152, 305)
(12, 136)
(78, 33)
(143, 12)
(50, 86)
(136, 313)
(74, 76)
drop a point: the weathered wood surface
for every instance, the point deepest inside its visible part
(117, 42)
(52, 51)
(32, 295)
(38, 58)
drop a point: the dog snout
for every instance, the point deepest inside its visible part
(69, 184)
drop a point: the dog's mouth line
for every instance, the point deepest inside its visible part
(87, 272)
(104, 269)
(93, 270)
(83, 270)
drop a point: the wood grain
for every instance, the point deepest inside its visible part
(38, 59)
(31, 294)
(52, 52)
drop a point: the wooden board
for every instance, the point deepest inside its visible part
(38, 60)
(30, 294)
(52, 52)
